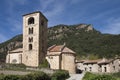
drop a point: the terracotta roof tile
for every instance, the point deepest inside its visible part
(58, 48)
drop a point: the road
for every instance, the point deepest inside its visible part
(76, 76)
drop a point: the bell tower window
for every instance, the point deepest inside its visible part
(30, 39)
(30, 47)
(31, 20)
(30, 31)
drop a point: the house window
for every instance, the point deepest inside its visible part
(105, 69)
(30, 31)
(114, 67)
(85, 69)
(30, 20)
(90, 68)
(30, 47)
(30, 39)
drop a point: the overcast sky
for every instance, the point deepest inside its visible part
(104, 15)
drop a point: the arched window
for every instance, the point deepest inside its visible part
(30, 20)
(30, 39)
(30, 31)
(30, 47)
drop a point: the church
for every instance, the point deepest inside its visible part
(35, 50)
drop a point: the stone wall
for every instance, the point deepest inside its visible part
(68, 62)
(15, 58)
(53, 62)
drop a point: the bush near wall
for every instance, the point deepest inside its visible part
(104, 77)
(91, 76)
(60, 75)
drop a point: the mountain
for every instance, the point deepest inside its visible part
(81, 38)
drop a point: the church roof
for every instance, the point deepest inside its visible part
(16, 50)
(58, 49)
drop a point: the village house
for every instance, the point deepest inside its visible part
(99, 66)
(61, 57)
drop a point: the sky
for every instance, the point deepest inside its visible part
(104, 15)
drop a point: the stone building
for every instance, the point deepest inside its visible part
(99, 66)
(34, 38)
(34, 41)
(14, 56)
(61, 57)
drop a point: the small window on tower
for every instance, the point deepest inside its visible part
(30, 20)
(30, 46)
(30, 39)
(42, 23)
(30, 31)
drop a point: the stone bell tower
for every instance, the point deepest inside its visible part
(34, 38)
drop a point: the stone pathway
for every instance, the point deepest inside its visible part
(76, 76)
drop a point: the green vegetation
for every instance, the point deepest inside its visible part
(117, 75)
(58, 75)
(91, 76)
(44, 64)
(13, 66)
(87, 44)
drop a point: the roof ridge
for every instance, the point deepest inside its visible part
(51, 47)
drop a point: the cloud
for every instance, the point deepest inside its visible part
(112, 26)
(51, 8)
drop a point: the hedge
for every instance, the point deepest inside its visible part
(60, 75)
(31, 76)
(91, 76)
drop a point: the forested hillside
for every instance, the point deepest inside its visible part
(82, 38)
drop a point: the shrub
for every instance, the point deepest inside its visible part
(44, 64)
(88, 76)
(11, 77)
(36, 76)
(104, 77)
(116, 75)
(91, 76)
(60, 75)
(31, 76)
